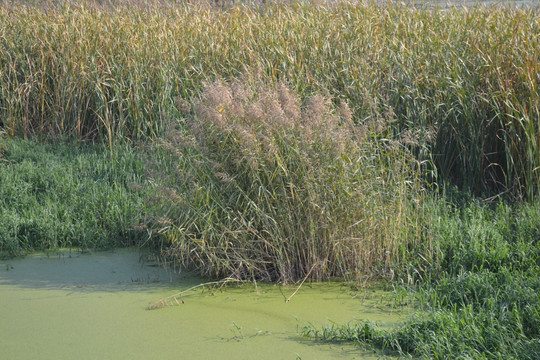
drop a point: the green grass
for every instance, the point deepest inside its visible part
(481, 297)
(61, 195)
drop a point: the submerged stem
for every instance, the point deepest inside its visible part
(168, 301)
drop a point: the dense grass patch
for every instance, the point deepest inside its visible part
(61, 195)
(469, 76)
(481, 299)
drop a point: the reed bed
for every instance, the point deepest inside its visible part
(470, 76)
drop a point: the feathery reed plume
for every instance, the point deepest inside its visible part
(282, 187)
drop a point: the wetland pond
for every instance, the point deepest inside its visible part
(69, 305)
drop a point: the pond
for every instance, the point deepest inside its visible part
(70, 305)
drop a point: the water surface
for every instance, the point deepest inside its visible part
(93, 306)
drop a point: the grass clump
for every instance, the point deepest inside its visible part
(270, 188)
(61, 195)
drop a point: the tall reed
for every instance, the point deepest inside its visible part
(471, 75)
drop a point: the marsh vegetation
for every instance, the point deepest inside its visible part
(287, 141)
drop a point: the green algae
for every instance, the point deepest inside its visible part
(89, 306)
